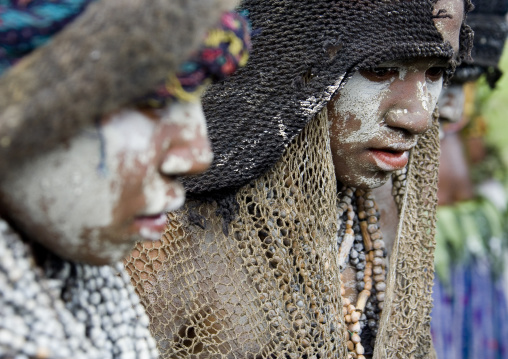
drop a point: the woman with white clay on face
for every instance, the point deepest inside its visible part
(377, 117)
(283, 256)
(70, 213)
(110, 186)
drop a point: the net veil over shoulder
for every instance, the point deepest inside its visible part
(250, 268)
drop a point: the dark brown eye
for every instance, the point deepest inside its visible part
(380, 74)
(435, 73)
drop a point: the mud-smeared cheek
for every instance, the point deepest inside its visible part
(177, 163)
(434, 89)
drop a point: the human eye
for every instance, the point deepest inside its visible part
(435, 73)
(380, 74)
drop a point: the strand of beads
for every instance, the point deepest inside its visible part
(376, 253)
(344, 201)
(374, 244)
(399, 186)
(371, 282)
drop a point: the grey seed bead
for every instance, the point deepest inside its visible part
(360, 275)
(354, 261)
(95, 298)
(30, 349)
(358, 247)
(353, 254)
(5, 337)
(360, 266)
(360, 286)
(378, 261)
(361, 256)
(372, 323)
(110, 307)
(363, 317)
(144, 321)
(381, 286)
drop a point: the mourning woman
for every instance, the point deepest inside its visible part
(280, 254)
(97, 118)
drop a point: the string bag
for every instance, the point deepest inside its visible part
(250, 267)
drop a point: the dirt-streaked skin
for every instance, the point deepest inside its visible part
(82, 200)
(382, 109)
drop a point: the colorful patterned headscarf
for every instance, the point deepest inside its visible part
(28, 24)
(225, 49)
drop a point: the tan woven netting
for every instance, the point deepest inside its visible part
(405, 324)
(271, 289)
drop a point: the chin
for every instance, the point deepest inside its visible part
(102, 247)
(365, 182)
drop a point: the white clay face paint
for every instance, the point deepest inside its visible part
(451, 103)
(388, 114)
(83, 209)
(189, 119)
(66, 191)
(359, 100)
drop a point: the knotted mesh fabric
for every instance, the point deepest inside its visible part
(404, 330)
(271, 288)
(488, 20)
(302, 52)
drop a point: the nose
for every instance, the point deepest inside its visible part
(188, 150)
(411, 104)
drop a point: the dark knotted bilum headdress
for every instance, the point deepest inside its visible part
(100, 56)
(488, 21)
(303, 52)
(265, 282)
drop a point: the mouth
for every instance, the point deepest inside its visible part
(390, 159)
(151, 227)
(152, 222)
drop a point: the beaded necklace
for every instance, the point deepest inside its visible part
(358, 213)
(63, 309)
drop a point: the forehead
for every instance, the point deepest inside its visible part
(449, 15)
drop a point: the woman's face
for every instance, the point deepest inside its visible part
(91, 199)
(376, 119)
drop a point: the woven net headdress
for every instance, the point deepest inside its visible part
(249, 269)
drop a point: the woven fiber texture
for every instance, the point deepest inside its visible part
(271, 288)
(265, 283)
(302, 52)
(115, 52)
(53, 308)
(488, 21)
(405, 324)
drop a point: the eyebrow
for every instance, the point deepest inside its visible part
(442, 14)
